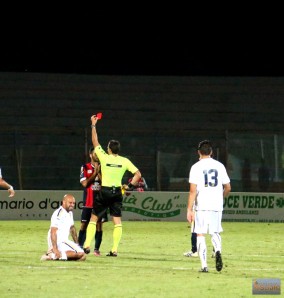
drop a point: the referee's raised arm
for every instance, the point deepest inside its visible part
(95, 140)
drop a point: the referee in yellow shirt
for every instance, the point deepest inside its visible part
(113, 167)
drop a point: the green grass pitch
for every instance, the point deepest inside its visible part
(150, 262)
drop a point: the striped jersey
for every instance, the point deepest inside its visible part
(87, 170)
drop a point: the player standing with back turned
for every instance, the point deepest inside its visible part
(209, 184)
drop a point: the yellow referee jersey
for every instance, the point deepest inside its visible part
(113, 167)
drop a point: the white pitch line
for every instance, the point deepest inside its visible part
(243, 269)
(262, 269)
(59, 267)
(257, 256)
(69, 267)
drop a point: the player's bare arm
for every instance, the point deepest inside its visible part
(73, 234)
(7, 186)
(99, 171)
(227, 189)
(53, 236)
(191, 199)
(134, 180)
(91, 179)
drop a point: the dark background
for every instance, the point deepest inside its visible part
(175, 39)
(124, 48)
(144, 59)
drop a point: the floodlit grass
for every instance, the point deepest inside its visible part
(150, 262)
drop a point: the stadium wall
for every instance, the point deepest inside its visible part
(45, 126)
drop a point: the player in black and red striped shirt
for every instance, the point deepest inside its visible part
(90, 178)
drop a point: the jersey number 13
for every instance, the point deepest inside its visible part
(210, 178)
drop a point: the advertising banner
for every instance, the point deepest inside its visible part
(145, 206)
(254, 207)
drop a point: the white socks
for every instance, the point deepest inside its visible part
(202, 250)
(216, 241)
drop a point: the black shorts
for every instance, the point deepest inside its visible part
(110, 198)
(86, 215)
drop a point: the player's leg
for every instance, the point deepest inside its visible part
(101, 204)
(194, 242)
(215, 228)
(193, 238)
(216, 242)
(90, 234)
(85, 218)
(202, 250)
(82, 233)
(116, 236)
(201, 229)
(98, 238)
(99, 233)
(71, 251)
(49, 254)
(115, 212)
(99, 208)
(75, 256)
(193, 252)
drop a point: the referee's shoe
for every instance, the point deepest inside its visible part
(86, 250)
(112, 254)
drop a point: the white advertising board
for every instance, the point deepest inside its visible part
(145, 206)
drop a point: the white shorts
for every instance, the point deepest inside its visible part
(67, 245)
(208, 222)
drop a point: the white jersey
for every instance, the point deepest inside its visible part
(0, 173)
(209, 175)
(62, 220)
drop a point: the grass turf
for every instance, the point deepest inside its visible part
(150, 262)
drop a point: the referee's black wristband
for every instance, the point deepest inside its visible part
(130, 185)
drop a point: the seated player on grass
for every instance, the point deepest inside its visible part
(62, 225)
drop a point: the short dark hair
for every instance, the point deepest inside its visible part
(114, 146)
(91, 149)
(205, 147)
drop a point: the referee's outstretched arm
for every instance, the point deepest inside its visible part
(95, 140)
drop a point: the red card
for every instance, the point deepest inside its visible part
(99, 116)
